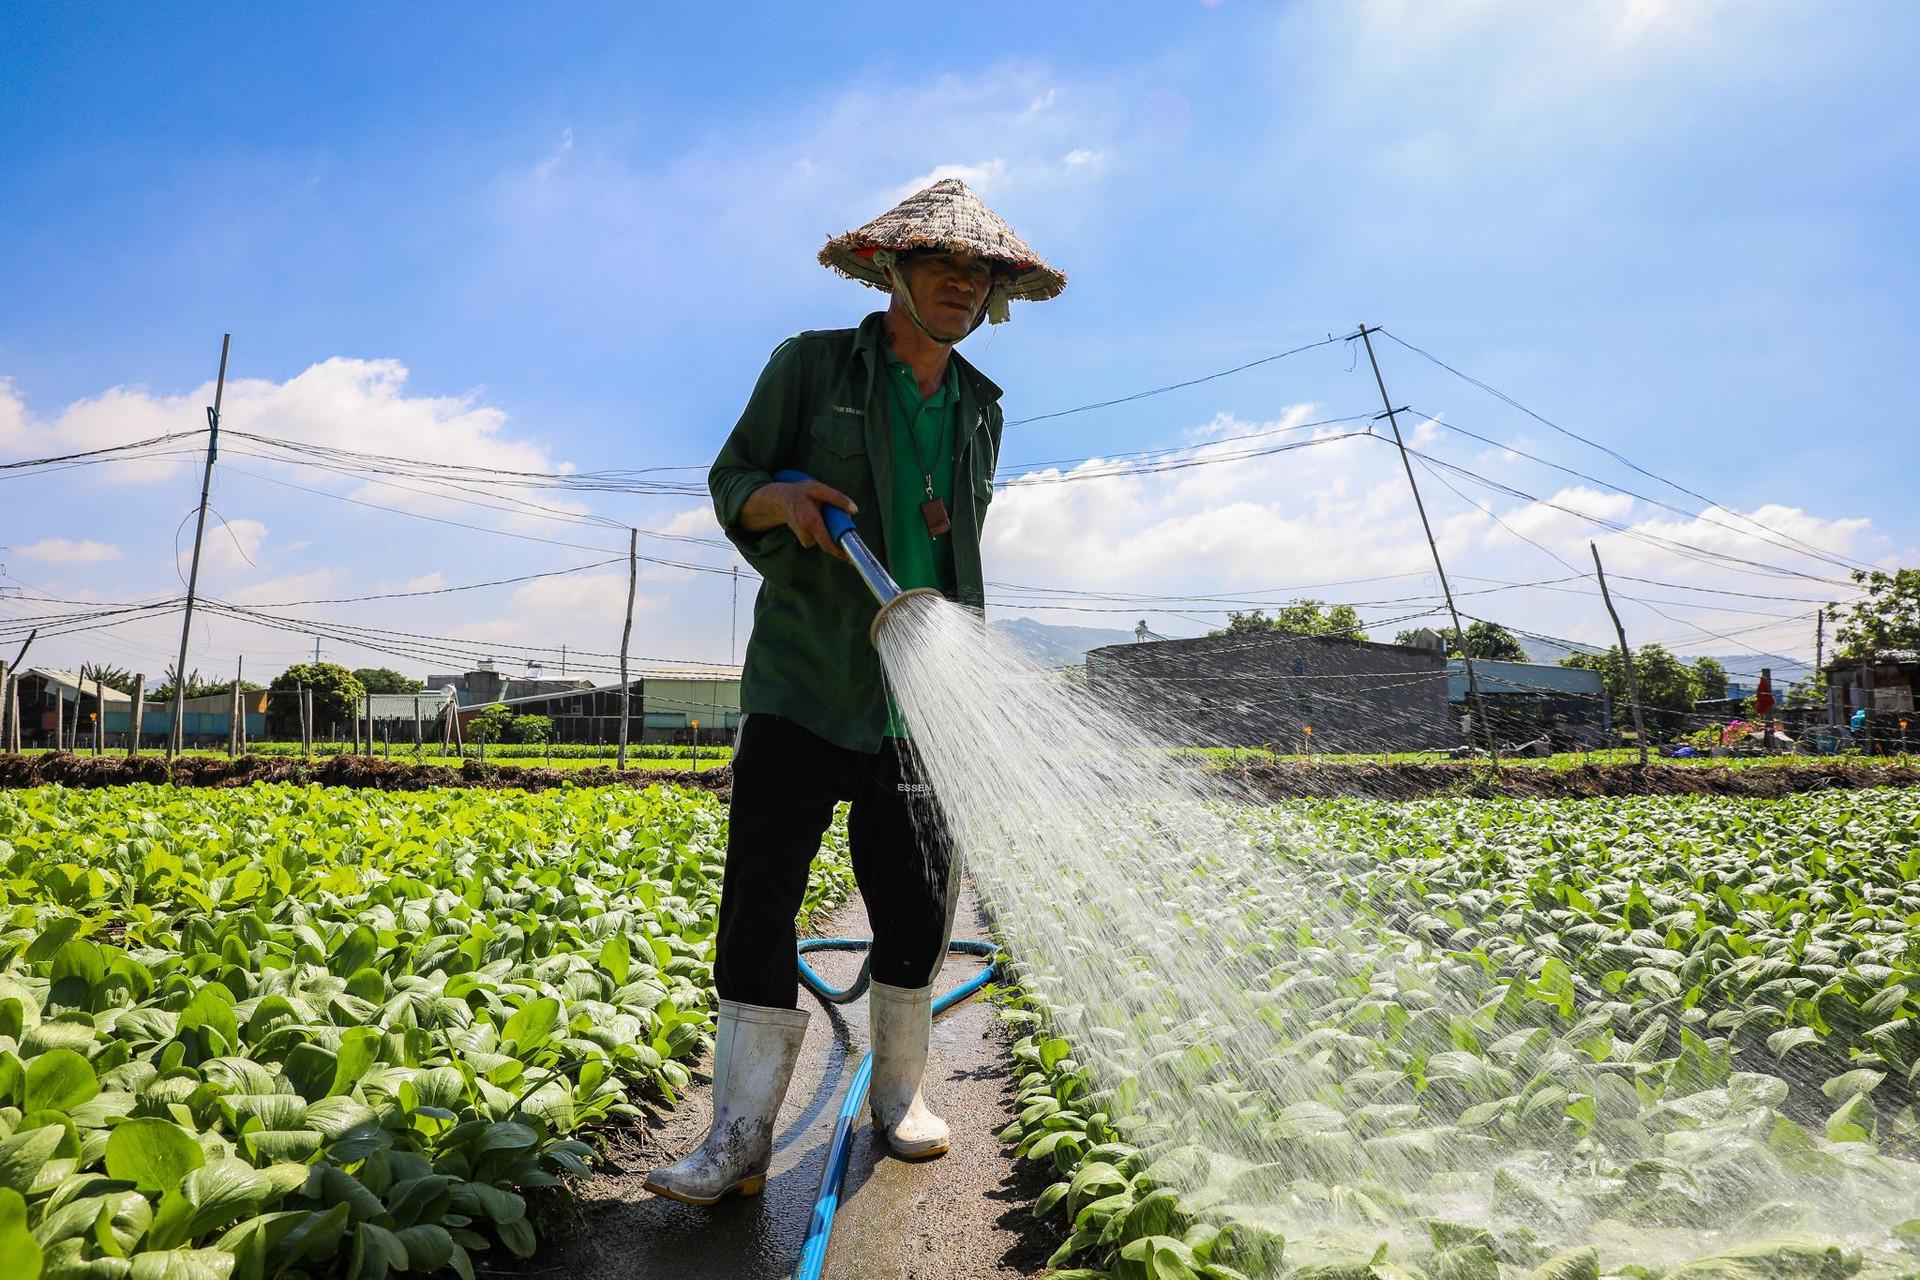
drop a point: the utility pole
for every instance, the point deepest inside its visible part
(316, 649)
(563, 662)
(175, 739)
(1473, 681)
(1626, 655)
(626, 634)
(733, 629)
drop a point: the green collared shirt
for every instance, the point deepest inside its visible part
(822, 406)
(923, 442)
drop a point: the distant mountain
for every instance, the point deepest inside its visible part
(1056, 646)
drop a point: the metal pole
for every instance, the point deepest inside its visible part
(626, 634)
(1473, 681)
(174, 737)
(239, 682)
(1626, 655)
(733, 630)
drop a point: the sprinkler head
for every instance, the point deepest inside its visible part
(873, 632)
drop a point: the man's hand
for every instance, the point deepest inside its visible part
(798, 507)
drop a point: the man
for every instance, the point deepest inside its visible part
(902, 434)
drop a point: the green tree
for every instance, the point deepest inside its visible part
(197, 687)
(1886, 617)
(1711, 677)
(1486, 641)
(385, 680)
(1668, 687)
(119, 679)
(530, 728)
(1305, 617)
(490, 725)
(336, 693)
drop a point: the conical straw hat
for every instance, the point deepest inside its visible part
(948, 216)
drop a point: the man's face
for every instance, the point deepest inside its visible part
(948, 290)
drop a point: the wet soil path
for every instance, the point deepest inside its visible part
(963, 1215)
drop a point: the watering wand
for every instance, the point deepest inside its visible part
(872, 572)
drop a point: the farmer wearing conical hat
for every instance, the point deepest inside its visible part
(902, 433)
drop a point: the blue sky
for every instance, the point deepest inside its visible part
(494, 234)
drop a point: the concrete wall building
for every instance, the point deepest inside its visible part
(1269, 688)
(1528, 701)
(664, 707)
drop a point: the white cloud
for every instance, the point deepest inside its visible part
(1325, 519)
(69, 551)
(593, 604)
(426, 582)
(982, 177)
(341, 402)
(230, 546)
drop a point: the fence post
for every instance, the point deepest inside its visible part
(626, 634)
(139, 711)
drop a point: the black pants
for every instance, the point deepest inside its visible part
(786, 781)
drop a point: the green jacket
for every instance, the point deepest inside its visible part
(821, 407)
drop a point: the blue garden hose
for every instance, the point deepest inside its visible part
(813, 1255)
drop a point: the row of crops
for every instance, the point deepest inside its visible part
(1634, 1037)
(513, 750)
(287, 1031)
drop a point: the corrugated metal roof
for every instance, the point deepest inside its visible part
(69, 682)
(1521, 677)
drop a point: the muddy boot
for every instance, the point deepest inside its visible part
(901, 1021)
(753, 1059)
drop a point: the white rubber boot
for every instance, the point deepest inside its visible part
(901, 1021)
(753, 1059)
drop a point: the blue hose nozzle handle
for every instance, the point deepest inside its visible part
(839, 523)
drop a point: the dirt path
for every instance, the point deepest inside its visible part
(962, 1216)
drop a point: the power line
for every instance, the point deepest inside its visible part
(1174, 386)
(1615, 454)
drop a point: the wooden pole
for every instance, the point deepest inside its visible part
(139, 711)
(626, 634)
(99, 715)
(1473, 682)
(1820, 659)
(416, 724)
(10, 706)
(1626, 655)
(306, 722)
(199, 533)
(1866, 689)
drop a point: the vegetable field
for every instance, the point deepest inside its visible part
(1641, 1037)
(285, 1031)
